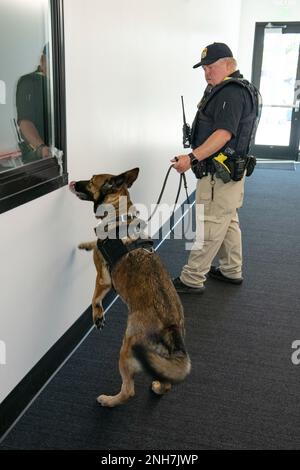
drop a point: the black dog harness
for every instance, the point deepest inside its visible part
(113, 250)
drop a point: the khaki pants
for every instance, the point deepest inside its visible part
(222, 234)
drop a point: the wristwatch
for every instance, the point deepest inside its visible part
(193, 159)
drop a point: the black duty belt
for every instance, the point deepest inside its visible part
(202, 168)
(113, 250)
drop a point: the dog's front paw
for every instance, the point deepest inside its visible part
(88, 246)
(98, 318)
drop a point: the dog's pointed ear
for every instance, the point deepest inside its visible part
(128, 177)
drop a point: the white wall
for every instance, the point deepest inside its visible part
(255, 11)
(127, 63)
(45, 282)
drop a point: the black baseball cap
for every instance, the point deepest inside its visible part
(214, 52)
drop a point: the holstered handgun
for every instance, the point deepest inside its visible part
(230, 166)
(222, 170)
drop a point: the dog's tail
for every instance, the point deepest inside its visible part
(164, 357)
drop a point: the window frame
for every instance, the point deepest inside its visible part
(26, 183)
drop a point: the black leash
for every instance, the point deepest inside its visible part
(182, 178)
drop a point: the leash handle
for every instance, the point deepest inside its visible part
(181, 179)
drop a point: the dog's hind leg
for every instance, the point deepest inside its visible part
(160, 388)
(128, 367)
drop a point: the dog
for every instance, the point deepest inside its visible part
(154, 336)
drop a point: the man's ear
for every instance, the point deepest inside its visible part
(128, 177)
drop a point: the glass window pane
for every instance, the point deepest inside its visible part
(26, 99)
(274, 126)
(279, 67)
(277, 86)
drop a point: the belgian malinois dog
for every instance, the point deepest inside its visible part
(154, 334)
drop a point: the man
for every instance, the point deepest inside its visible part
(32, 109)
(226, 121)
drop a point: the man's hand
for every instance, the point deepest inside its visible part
(181, 163)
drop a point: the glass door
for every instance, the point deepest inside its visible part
(276, 72)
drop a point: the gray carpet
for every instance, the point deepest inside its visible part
(243, 391)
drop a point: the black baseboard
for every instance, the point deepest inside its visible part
(14, 404)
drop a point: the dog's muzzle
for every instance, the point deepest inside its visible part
(80, 194)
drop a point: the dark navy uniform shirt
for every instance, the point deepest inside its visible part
(224, 111)
(31, 102)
